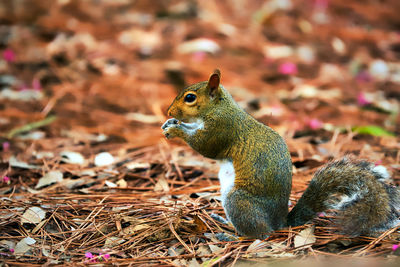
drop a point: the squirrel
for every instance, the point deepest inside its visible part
(256, 170)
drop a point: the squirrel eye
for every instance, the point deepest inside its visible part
(190, 98)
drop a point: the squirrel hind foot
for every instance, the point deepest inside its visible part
(224, 237)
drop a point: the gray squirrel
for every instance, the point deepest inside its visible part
(256, 170)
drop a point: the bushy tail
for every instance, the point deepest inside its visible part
(356, 192)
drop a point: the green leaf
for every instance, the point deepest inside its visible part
(372, 130)
(210, 261)
(31, 126)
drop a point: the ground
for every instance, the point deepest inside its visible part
(86, 174)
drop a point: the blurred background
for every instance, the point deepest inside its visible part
(84, 89)
(112, 67)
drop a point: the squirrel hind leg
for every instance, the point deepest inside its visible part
(253, 216)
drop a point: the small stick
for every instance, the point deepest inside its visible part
(171, 227)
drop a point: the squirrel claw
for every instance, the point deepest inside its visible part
(219, 218)
(168, 126)
(169, 122)
(224, 237)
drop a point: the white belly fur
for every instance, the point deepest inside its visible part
(226, 177)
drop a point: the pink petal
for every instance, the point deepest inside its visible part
(287, 68)
(363, 76)
(321, 4)
(6, 146)
(362, 100)
(36, 84)
(315, 124)
(11, 250)
(106, 256)
(89, 255)
(395, 247)
(8, 55)
(199, 56)
(6, 179)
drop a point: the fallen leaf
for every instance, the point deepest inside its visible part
(33, 215)
(72, 157)
(8, 244)
(200, 225)
(161, 185)
(121, 208)
(193, 263)
(103, 159)
(372, 130)
(50, 178)
(175, 251)
(143, 118)
(137, 165)
(198, 45)
(134, 228)
(305, 237)
(14, 162)
(110, 184)
(24, 245)
(122, 183)
(277, 51)
(257, 245)
(113, 241)
(215, 249)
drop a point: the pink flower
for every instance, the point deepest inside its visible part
(36, 84)
(321, 4)
(363, 76)
(12, 250)
(89, 255)
(8, 55)
(395, 247)
(362, 100)
(379, 162)
(6, 180)
(199, 56)
(315, 124)
(6, 146)
(287, 68)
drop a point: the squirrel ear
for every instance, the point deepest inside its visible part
(213, 82)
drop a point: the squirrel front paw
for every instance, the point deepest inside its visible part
(171, 128)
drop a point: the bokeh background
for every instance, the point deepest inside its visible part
(113, 67)
(84, 89)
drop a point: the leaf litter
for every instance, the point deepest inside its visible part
(87, 177)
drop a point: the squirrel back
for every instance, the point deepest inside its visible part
(256, 170)
(356, 192)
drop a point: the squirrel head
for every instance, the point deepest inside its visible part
(194, 101)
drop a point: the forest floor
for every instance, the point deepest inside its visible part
(87, 176)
